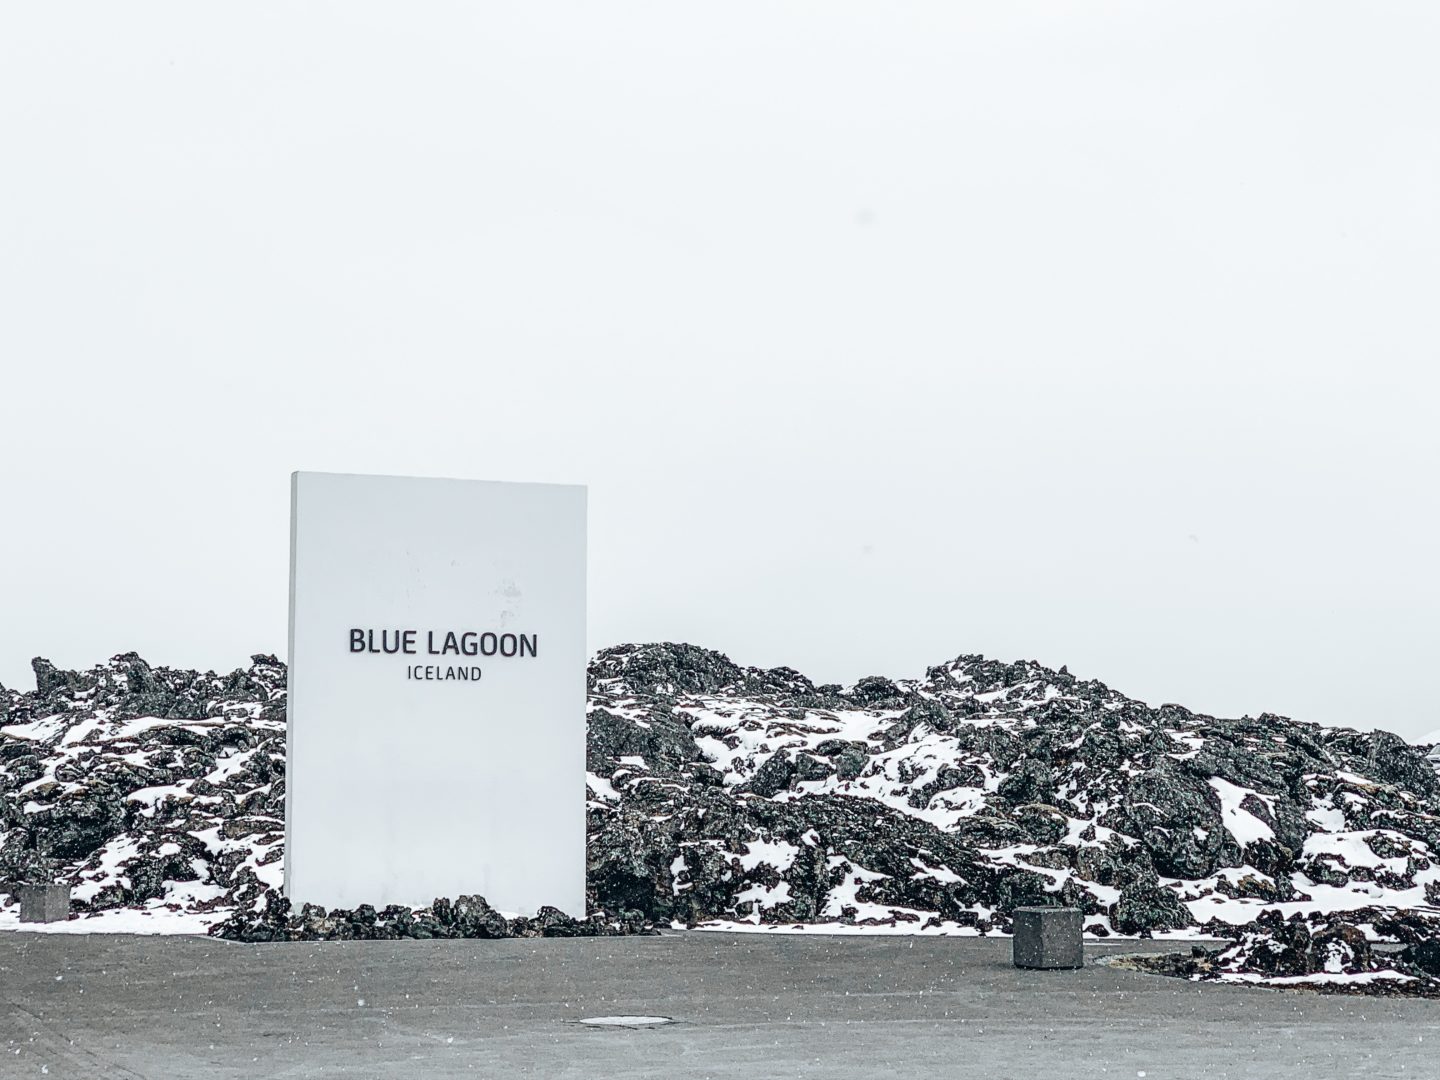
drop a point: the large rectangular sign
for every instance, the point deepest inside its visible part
(436, 739)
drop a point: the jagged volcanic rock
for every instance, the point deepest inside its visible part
(730, 794)
(147, 788)
(464, 917)
(1333, 954)
(718, 791)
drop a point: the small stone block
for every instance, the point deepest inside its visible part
(1048, 937)
(44, 903)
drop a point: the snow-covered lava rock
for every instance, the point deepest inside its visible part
(150, 791)
(1331, 954)
(727, 796)
(718, 792)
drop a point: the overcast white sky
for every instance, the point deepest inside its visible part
(1100, 334)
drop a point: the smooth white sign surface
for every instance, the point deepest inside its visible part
(436, 742)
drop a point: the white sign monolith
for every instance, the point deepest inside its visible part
(436, 737)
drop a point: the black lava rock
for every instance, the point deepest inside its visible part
(725, 792)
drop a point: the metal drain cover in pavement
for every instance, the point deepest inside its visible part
(626, 1021)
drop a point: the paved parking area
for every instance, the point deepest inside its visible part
(746, 1006)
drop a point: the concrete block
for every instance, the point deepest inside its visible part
(1048, 937)
(44, 903)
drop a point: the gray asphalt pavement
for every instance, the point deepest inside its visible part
(745, 1006)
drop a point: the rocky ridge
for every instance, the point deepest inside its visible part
(146, 788)
(944, 802)
(1334, 954)
(726, 795)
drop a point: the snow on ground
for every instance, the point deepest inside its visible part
(152, 917)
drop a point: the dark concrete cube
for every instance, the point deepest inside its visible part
(44, 903)
(1048, 937)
